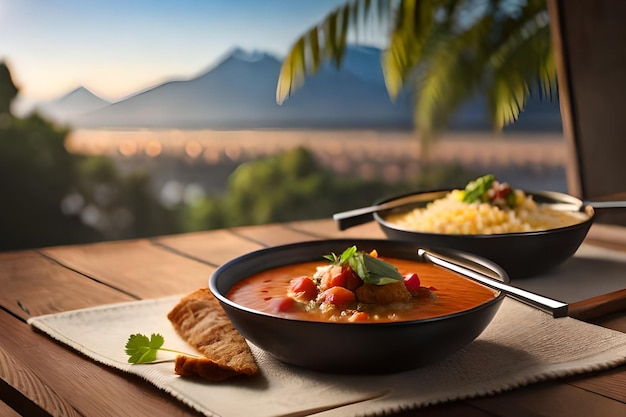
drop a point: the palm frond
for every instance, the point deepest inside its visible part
(447, 50)
(452, 73)
(524, 59)
(414, 22)
(327, 42)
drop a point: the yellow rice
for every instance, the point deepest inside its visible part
(450, 215)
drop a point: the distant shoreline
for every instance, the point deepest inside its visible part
(519, 148)
(207, 157)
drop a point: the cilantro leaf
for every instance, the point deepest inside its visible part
(143, 349)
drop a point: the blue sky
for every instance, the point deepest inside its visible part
(117, 47)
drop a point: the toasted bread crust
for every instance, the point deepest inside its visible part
(202, 367)
(200, 320)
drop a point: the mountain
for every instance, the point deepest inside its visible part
(67, 108)
(239, 92)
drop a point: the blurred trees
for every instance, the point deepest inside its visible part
(8, 91)
(119, 206)
(294, 186)
(36, 173)
(50, 197)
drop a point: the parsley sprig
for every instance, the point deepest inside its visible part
(143, 349)
(370, 269)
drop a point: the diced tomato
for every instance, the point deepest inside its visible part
(502, 193)
(282, 304)
(359, 316)
(337, 296)
(352, 280)
(341, 276)
(302, 288)
(412, 282)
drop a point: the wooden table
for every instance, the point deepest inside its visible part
(41, 377)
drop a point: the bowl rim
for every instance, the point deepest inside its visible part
(559, 197)
(221, 297)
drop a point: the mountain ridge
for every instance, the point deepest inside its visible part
(238, 92)
(65, 108)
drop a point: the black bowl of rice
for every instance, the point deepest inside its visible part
(535, 233)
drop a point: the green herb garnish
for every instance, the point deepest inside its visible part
(487, 189)
(370, 269)
(344, 258)
(143, 349)
(477, 190)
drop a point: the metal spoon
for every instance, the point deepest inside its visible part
(554, 307)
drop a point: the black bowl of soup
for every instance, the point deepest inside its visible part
(445, 312)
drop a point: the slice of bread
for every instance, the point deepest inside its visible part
(200, 320)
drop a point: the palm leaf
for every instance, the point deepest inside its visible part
(326, 42)
(452, 73)
(446, 59)
(414, 22)
(523, 60)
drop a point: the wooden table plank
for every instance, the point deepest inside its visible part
(453, 409)
(7, 411)
(38, 398)
(33, 285)
(213, 247)
(550, 399)
(137, 267)
(273, 235)
(63, 382)
(608, 383)
(328, 229)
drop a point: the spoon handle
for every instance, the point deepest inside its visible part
(598, 306)
(358, 216)
(355, 217)
(606, 204)
(554, 307)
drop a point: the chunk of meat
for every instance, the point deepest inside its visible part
(383, 294)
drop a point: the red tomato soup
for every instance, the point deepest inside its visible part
(441, 292)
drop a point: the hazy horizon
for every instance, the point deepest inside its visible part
(117, 48)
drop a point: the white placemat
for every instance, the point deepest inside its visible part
(521, 346)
